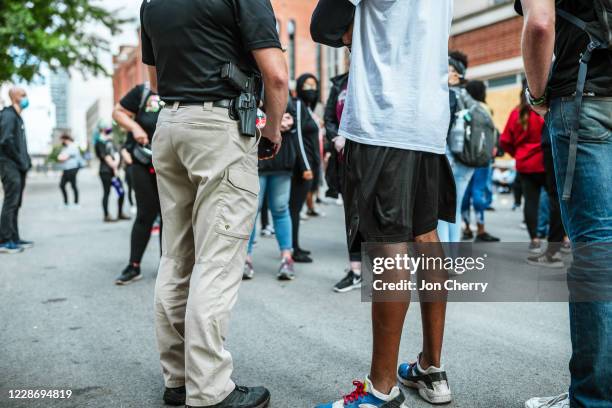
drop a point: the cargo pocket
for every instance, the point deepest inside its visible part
(238, 204)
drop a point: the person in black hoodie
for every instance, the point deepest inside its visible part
(14, 164)
(309, 156)
(335, 172)
(333, 113)
(275, 186)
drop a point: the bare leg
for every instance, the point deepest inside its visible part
(433, 313)
(387, 325)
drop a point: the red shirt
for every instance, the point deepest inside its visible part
(524, 145)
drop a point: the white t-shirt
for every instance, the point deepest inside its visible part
(398, 85)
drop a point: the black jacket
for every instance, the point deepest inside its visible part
(309, 155)
(284, 161)
(331, 115)
(13, 144)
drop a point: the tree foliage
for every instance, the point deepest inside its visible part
(55, 33)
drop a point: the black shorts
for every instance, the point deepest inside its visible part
(394, 195)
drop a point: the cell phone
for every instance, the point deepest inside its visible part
(266, 149)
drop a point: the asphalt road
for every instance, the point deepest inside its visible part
(64, 325)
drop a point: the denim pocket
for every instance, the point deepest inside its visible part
(595, 119)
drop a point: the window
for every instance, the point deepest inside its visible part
(291, 49)
(508, 80)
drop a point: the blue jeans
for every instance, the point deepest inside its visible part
(278, 188)
(543, 215)
(478, 194)
(463, 174)
(587, 217)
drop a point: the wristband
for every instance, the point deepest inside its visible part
(536, 101)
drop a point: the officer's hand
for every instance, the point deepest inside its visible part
(272, 134)
(140, 135)
(286, 123)
(307, 175)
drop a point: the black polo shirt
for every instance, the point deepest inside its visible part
(570, 43)
(189, 41)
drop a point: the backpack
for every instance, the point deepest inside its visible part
(473, 135)
(600, 36)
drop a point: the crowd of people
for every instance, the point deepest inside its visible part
(412, 180)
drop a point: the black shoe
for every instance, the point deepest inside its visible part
(486, 237)
(130, 274)
(175, 396)
(124, 217)
(349, 282)
(303, 251)
(25, 244)
(313, 213)
(244, 397)
(467, 235)
(301, 257)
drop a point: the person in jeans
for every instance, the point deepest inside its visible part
(275, 185)
(479, 192)
(208, 184)
(457, 68)
(398, 179)
(522, 139)
(578, 112)
(15, 163)
(71, 161)
(138, 112)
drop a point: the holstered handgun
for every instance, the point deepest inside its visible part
(244, 108)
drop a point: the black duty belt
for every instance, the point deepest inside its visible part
(222, 103)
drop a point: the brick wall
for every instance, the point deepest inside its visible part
(492, 43)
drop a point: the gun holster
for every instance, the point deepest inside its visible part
(244, 110)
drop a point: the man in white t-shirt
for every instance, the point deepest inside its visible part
(399, 182)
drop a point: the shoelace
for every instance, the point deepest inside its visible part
(555, 401)
(355, 395)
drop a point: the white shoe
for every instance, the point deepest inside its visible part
(560, 401)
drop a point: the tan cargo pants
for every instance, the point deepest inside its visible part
(208, 186)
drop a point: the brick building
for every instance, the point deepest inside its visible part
(293, 23)
(129, 70)
(488, 31)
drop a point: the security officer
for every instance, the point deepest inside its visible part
(208, 185)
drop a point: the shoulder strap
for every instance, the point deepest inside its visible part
(299, 132)
(146, 91)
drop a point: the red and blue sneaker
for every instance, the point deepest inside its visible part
(365, 396)
(432, 383)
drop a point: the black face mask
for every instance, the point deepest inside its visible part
(310, 97)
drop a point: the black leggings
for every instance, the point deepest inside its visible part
(70, 176)
(107, 180)
(532, 184)
(147, 203)
(299, 191)
(130, 184)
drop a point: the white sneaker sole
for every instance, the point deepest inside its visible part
(125, 283)
(348, 288)
(425, 393)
